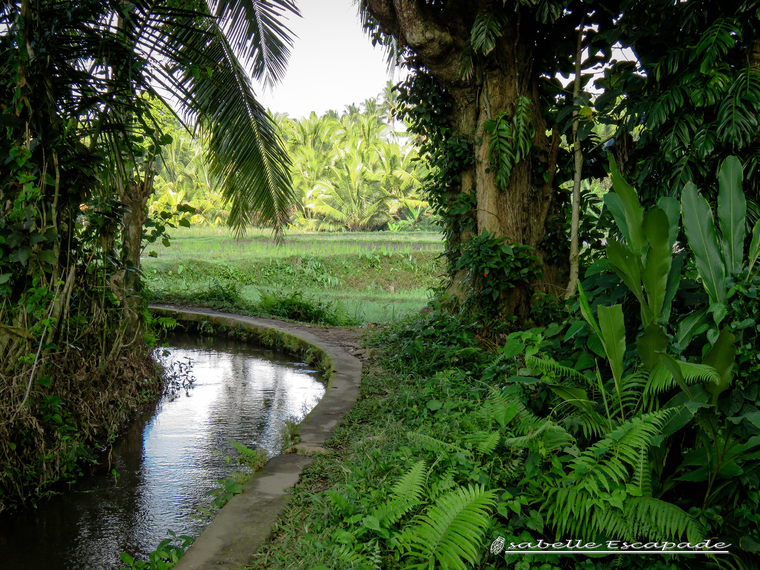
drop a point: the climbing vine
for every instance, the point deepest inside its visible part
(511, 138)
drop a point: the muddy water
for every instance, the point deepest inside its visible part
(166, 462)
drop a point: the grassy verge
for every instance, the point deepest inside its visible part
(351, 278)
(413, 438)
(454, 452)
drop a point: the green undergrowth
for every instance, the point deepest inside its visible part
(452, 446)
(327, 279)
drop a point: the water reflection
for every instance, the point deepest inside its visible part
(165, 466)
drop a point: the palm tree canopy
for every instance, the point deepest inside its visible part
(102, 53)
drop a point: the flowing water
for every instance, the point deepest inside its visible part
(166, 462)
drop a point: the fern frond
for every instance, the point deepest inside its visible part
(483, 441)
(631, 391)
(350, 558)
(438, 445)
(442, 484)
(527, 421)
(648, 518)
(592, 424)
(606, 462)
(412, 482)
(642, 475)
(547, 437)
(405, 495)
(498, 407)
(660, 379)
(451, 531)
(549, 366)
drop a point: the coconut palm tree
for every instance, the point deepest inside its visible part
(74, 79)
(352, 197)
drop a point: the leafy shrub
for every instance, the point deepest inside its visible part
(297, 308)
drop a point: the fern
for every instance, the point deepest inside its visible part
(552, 367)
(451, 531)
(439, 445)
(487, 442)
(546, 438)
(442, 484)
(350, 558)
(649, 518)
(607, 461)
(405, 495)
(661, 380)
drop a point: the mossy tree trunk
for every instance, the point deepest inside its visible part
(494, 84)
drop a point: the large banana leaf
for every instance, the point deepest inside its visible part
(703, 239)
(732, 213)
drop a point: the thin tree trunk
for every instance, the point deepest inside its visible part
(572, 286)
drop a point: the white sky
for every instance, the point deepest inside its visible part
(332, 64)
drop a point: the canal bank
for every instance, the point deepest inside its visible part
(245, 523)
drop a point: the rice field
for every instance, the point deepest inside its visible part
(371, 277)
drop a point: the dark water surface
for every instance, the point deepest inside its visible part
(167, 462)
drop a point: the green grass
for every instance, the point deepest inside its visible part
(367, 277)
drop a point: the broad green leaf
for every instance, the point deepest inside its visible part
(673, 210)
(673, 367)
(595, 345)
(615, 205)
(634, 213)
(586, 309)
(674, 280)
(650, 344)
(732, 213)
(613, 337)
(721, 357)
(575, 396)
(688, 326)
(718, 311)
(749, 544)
(571, 332)
(703, 240)
(657, 266)
(626, 264)
(754, 248)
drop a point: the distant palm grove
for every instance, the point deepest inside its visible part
(351, 171)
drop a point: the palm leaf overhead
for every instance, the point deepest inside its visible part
(105, 53)
(200, 63)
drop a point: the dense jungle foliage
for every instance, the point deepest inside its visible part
(519, 408)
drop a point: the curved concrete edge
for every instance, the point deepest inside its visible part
(245, 523)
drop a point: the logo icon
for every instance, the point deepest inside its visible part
(497, 545)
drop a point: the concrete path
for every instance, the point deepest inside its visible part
(245, 523)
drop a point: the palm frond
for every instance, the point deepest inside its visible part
(256, 33)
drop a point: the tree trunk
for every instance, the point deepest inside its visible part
(521, 210)
(135, 195)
